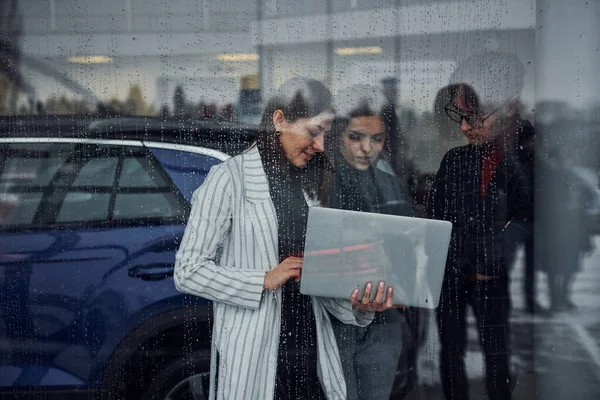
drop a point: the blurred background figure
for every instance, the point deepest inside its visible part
(563, 239)
(519, 233)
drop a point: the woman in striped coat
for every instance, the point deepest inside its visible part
(242, 250)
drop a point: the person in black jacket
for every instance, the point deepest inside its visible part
(482, 188)
(362, 149)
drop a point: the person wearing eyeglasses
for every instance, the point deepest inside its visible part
(519, 232)
(485, 189)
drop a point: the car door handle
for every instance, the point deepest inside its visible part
(151, 272)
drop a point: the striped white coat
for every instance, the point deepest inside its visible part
(229, 243)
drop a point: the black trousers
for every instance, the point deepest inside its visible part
(491, 305)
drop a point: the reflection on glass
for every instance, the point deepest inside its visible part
(76, 74)
(365, 151)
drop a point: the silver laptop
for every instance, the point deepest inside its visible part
(346, 249)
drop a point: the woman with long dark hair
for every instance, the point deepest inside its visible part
(363, 136)
(243, 248)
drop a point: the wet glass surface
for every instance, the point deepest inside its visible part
(158, 160)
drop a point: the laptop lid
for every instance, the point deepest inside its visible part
(346, 249)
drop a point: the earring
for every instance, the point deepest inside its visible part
(277, 132)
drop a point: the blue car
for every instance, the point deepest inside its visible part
(89, 227)
(91, 215)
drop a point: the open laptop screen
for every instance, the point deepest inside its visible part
(346, 249)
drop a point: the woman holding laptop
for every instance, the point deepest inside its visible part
(242, 249)
(363, 141)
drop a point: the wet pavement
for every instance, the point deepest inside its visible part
(553, 357)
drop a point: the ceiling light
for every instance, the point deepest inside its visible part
(351, 51)
(238, 57)
(90, 59)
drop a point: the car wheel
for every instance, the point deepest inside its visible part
(186, 378)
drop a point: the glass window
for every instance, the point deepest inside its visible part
(18, 208)
(84, 188)
(481, 113)
(146, 205)
(27, 170)
(145, 192)
(30, 171)
(142, 191)
(97, 172)
(65, 186)
(82, 206)
(32, 165)
(136, 175)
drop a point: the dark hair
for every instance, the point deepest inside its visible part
(472, 101)
(367, 101)
(467, 93)
(444, 97)
(297, 98)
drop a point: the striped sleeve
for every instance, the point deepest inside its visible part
(343, 311)
(196, 269)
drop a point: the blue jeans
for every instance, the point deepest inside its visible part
(370, 355)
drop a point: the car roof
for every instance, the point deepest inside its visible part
(227, 137)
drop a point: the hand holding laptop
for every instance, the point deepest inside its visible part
(291, 267)
(344, 249)
(376, 305)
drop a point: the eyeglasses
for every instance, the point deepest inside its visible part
(474, 120)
